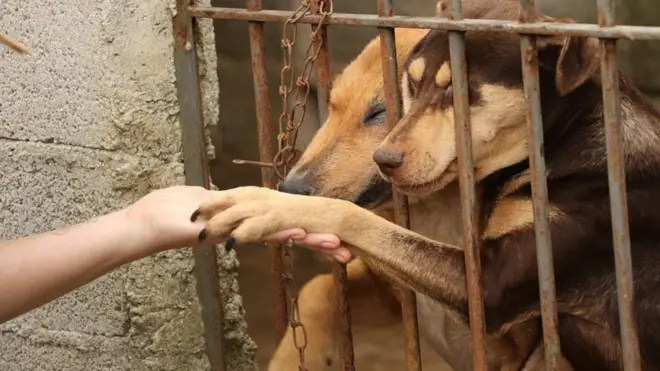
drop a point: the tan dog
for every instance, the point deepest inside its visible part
(419, 158)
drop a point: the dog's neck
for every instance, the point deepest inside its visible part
(575, 133)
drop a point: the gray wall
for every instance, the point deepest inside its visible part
(88, 124)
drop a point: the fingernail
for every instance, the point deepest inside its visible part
(297, 237)
(195, 215)
(328, 245)
(202, 235)
(229, 243)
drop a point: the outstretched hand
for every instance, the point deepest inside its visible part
(163, 220)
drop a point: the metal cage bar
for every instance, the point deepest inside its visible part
(368, 20)
(617, 189)
(339, 274)
(531, 87)
(394, 113)
(469, 216)
(197, 173)
(267, 150)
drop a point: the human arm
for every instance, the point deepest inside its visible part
(37, 269)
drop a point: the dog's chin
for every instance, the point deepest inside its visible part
(424, 188)
(374, 194)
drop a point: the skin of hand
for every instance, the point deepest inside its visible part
(37, 269)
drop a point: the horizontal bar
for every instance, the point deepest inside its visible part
(466, 182)
(569, 29)
(196, 169)
(401, 213)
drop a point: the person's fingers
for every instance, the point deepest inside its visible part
(342, 255)
(320, 241)
(325, 244)
(281, 236)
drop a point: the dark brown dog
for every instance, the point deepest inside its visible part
(419, 158)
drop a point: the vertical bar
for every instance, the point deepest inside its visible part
(394, 113)
(267, 151)
(530, 67)
(617, 186)
(471, 238)
(323, 79)
(197, 173)
(342, 313)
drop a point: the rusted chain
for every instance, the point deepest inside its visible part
(12, 44)
(289, 123)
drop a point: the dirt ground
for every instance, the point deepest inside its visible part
(375, 349)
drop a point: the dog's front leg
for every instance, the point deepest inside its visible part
(248, 214)
(372, 303)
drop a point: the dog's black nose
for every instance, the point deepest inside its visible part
(296, 185)
(388, 159)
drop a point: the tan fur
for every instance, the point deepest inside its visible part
(443, 76)
(416, 69)
(372, 303)
(498, 140)
(343, 139)
(511, 214)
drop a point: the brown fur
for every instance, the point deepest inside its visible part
(577, 188)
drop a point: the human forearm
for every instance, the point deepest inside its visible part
(37, 269)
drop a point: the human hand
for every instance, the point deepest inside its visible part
(252, 214)
(161, 221)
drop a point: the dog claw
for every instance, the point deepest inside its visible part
(229, 243)
(195, 215)
(202, 235)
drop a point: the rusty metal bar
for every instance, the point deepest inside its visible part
(394, 113)
(322, 69)
(469, 215)
(267, 150)
(339, 274)
(531, 87)
(347, 19)
(617, 187)
(197, 173)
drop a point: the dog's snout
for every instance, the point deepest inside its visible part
(295, 184)
(388, 159)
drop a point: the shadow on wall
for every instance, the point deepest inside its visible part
(236, 137)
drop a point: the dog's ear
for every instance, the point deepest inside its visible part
(576, 59)
(440, 8)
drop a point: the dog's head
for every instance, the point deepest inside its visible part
(419, 156)
(338, 161)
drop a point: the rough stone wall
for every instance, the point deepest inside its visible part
(88, 124)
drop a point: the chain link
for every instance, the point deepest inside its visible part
(289, 123)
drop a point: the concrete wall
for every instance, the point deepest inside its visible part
(88, 124)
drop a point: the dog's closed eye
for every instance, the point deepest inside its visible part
(374, 115)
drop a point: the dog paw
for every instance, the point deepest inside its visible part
(248, 214)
